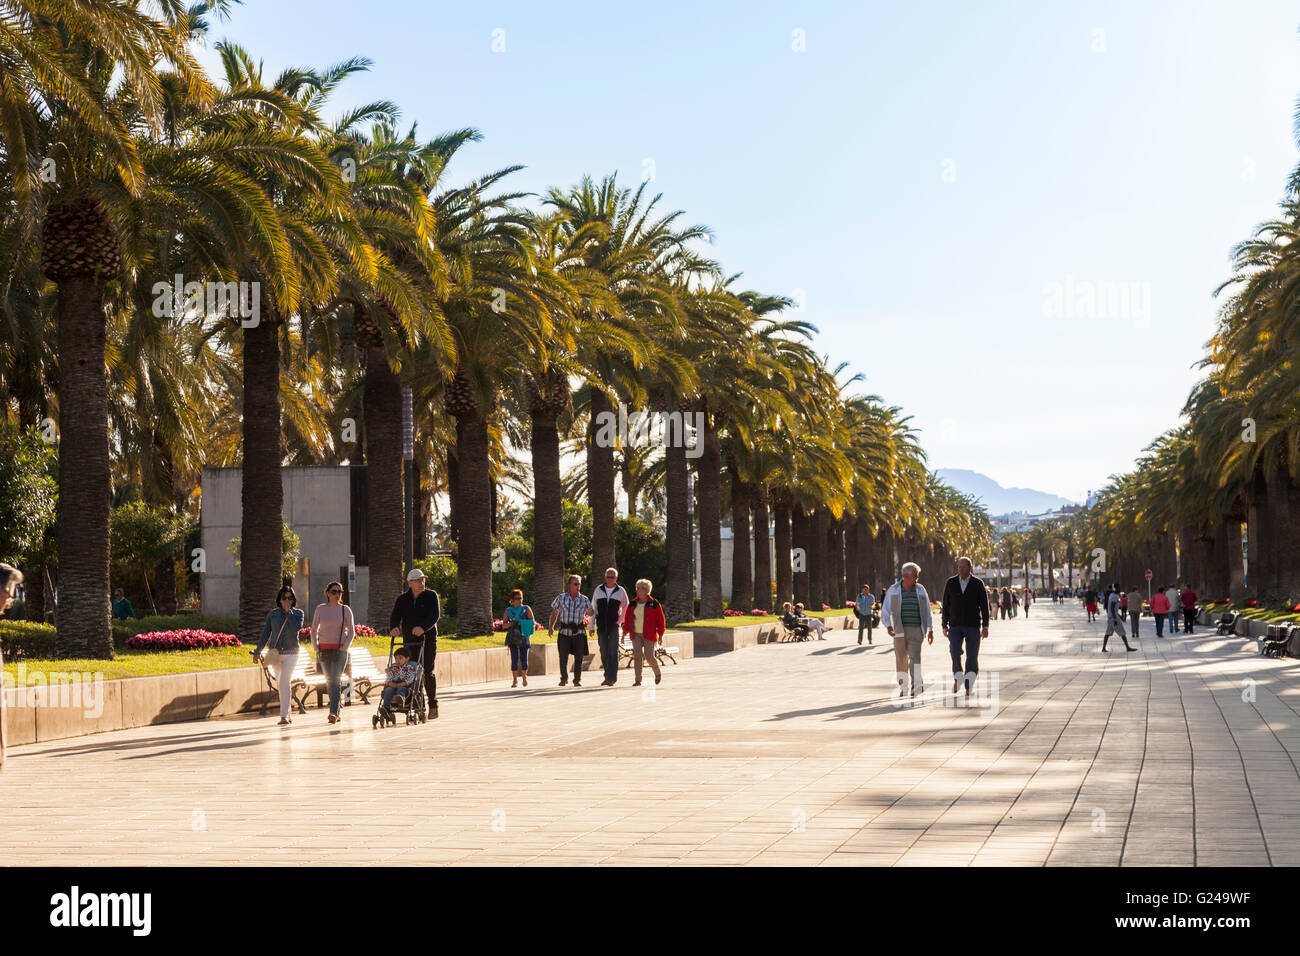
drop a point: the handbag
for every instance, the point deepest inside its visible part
(515, 631)
(274, 661)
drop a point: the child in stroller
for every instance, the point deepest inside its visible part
(401, 688)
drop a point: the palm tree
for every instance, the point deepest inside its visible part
(88, 139)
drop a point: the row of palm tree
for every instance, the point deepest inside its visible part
(516, 321)
(1226, 478)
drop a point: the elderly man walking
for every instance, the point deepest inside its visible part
(965, 617)
(572, 609)
(905, 613)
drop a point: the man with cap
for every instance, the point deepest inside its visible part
(415, 615)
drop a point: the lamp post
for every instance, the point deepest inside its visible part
(408, 455)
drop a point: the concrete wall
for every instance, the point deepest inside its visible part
(317, 504)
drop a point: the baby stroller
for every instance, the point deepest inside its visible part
(412, 702)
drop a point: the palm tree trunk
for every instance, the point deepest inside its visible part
(261, 492)
(817, 559)
(600, 490)
(679, 602)
(453, 491)
(783, 544)
(801, 530)
(708, 489)
(385, 507)
(742, 573)
(548, 509)
(852, 556)
(85, 484)
(474, 515)
(762, 551)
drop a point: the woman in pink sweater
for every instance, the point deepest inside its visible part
(332, 630)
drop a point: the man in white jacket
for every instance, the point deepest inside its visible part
(905, 615)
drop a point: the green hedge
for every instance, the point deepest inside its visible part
(20, 639)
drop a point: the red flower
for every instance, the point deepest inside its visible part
(188, 639)
(1251, 603)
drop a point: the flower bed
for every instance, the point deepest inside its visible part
(752, 612)
(190, 639)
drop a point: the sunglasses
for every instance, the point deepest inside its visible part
(334, 591)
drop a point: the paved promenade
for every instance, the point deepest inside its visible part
(1182, 753)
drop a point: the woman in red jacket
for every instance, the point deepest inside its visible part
(644, 620)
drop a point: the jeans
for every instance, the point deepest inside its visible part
(575, 644)
(386, 698)
(1173, 622)
(607, 641)
(1160, 624)
(971, 634)
(332, 662)
(519, 656)
(864, 620)
(1133, 617)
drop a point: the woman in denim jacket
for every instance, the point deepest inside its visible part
(281, 633)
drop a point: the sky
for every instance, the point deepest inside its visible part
(1010, 218)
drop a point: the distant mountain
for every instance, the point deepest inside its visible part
(999, 500)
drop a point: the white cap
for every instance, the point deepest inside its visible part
(414, 574)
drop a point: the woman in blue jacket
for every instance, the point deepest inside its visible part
(281, 634)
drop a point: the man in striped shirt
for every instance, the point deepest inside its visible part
(905, 614)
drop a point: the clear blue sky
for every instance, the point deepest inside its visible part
(925, 174)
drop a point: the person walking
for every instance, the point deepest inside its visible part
(1006, 603)
(1187, 597)
(1160, 610)
(332, 631)
(10, 578)
(1134, 609)
(609, 602)
(415, 615)
(1171, 593)
(905, 614)
(520, 625)
(1090, 603)
(644, 622)
(1114, 622)
(864, 607)
(964, 615)
(572, 609)
(1026, 599)
(280, 636)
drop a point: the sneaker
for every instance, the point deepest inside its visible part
(334, 718)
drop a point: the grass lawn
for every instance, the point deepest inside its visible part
(128, 663)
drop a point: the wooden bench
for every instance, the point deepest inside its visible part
(661, 652)
(303, 676)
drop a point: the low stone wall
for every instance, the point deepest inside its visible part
(718, 640)
(53, 712)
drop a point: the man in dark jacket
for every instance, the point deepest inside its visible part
(965, 617)
(415, 615)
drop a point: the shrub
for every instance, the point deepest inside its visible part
(190, 639)
(19, 639)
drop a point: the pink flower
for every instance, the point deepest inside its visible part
(187, 639)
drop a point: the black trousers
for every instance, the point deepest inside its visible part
(1189, 618)
(430, 680)
(1134, 617)
(575, 644)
